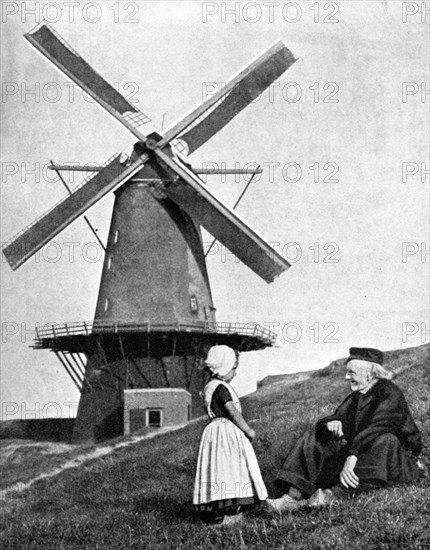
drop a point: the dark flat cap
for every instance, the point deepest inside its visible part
(366, 354)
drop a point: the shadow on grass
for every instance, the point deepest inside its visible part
(169, 511)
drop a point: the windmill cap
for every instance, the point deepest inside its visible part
(366, 354)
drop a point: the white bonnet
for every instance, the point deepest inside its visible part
(220, 360)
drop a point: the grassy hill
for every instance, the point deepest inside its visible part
(139, 497)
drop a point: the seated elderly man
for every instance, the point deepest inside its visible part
(370, 441)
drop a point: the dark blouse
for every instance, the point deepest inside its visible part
(220, 397)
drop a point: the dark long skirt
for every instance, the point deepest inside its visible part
(311, 465)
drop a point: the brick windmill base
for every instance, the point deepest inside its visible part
(103, 361)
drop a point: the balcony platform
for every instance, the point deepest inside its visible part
(151, 340)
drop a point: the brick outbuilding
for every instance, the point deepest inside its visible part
(155, 408)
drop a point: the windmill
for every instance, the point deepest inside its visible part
(155, 315)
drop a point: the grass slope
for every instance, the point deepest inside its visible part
(140, 497)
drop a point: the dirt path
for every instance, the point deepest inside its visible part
(85, 457)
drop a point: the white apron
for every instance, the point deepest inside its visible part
(227, 467)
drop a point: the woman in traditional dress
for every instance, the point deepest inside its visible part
(228, 477)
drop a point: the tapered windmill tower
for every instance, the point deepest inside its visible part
(155, 316)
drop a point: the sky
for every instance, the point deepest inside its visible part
(342, 138)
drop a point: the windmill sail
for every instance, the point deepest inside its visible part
(192, 195)
(194, 129)
(69, 62)
(41, 231)
(212, 115)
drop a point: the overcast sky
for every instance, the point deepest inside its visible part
(342, 137)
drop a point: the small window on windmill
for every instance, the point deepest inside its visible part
(194, 304)
(106, 304)
(109, 262)
(116, 238)
(153, 418)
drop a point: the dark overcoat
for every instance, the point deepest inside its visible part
(378, 428)
(365, 417)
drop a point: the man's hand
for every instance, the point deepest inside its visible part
(347, 475)
(335, 426)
